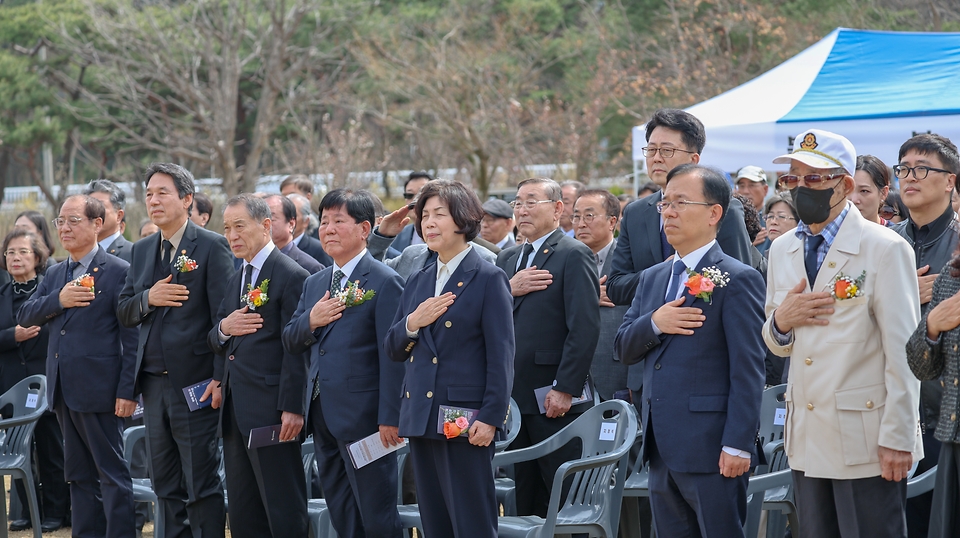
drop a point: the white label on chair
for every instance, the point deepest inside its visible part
(780, 418)
(608, 431)
(31, 401)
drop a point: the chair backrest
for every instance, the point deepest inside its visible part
(131, 436)
(511, 429)
(21, 406)
(403, 458)
(772, 414)
(308, 457)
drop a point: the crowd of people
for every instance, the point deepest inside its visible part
(355, 324)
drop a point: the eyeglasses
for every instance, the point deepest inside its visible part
(919, 172)
(789, 181)
(666, 153)
(888, 212)
(24, 252)
(60, 222)
(679, 206)
(409, 195)
(783, 217)
(530, 204)
(587, 218)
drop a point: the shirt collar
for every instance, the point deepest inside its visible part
(454, 262)
(87, 259)
(109, 241)
(348, 267)
(296, 240)
(176, 237)
(934, 229)
(509, 238)
(261, 257)
(829, 231)
(692, 260)
(603, 253)
(537, 243)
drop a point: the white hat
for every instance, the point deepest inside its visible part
(822, 149)
(753, 173)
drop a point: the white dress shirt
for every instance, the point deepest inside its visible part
(537, 243)
(444, 272)
(347, 268)
(257, 263)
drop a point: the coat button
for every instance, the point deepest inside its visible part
(434, 360)
(941, 383)
(411, 359)
(323, 352)
(448, 324)
(808, 361)
(429, 394)
(408, 395)
(869, 404)
(230, 357)
(56, 355)
(953, 417)
(956, 382)
(306, 342)
(810, 406)
(657, 367)
(63, 332)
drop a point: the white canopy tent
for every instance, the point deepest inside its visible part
(876, 88)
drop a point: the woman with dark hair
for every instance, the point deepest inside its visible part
(872, 185)
(932, 354)
(893, 208)
(454, 330)
(35, 223)
(23, 352)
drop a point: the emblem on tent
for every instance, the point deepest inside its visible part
(809, 141)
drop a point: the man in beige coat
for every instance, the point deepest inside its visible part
(852, 429)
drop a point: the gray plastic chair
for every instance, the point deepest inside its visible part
(592, 504)
(506, 488)
(317, 514)
(142, 487)
(922, 483)
(772, 491)
(16, 440)
(771, 401)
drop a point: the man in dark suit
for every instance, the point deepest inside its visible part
(283, 219)
(114, 201)
(304, 240)
(553, 279)
(497, 224)
(262, 385)
(175, 303)
(354, 387)
(411, 188)
(91, 361)
(696, 325)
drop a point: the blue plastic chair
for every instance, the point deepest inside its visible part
(142, 487)
(16, 439)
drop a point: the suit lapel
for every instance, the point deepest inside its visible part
(651, 222)
(96, 270)
(605, 268)
(540, 258)
(711, 258)
(845, 245)
(188, 243)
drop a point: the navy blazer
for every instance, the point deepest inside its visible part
(312, 246)
(262, 378)
(96, 355)
(359, 385)
(465, 358)
(639, 245)
(122, 248)
(702, 392)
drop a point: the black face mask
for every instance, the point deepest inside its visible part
(813, 205)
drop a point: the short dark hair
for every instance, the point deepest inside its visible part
(933, 144)
(751, 218)
(781, 197)
(378, 207)
(463, 203)
(422, 174)
(358, 203)
(39, 249)
(690, 128)
(118, 199)
(716, 189)
(182, 178)
(92, 208)
(895, 201)
(650, 187)
(611, 204)
(255, 206)
(300, 181)
(286, 206)
(573, 183)
(203, 203)
(874, 167)
(40, 222)
(550, 187)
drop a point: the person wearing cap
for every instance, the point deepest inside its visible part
(497, 223)
(842, 300)
(752, 183)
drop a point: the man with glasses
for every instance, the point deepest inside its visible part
(927, 169)
(842, 301)
(91, 362)
(408, 236)
(553, 279)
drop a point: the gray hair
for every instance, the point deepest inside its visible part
(302, 203)
(550, 187)
(118, 199)
(256, 207)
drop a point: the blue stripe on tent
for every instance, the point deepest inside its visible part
(871, 74)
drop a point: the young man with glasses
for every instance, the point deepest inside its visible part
(842, 301)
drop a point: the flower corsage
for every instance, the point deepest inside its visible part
(85, 281)
(185, 264)
(256, 297)
(701, 285)
(455, 423)
(845, 287)
(353, 295)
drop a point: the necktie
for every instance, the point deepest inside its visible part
(678, 269)
(167, 247)
(335, 286)
(71, 269)
(247, 278)
(665, 245)
(525, 260)
(810, 258)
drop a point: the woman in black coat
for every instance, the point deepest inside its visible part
(23, 352)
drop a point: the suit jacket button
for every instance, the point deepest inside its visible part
(956, 382)
(408, 395)
(869, 404)
(230, 357)
(411, 358)
(434, 360)
(56, 355)
(323, 352)
(63, 332)
(657, 367)
(448, 324)
(808, 361)
(810, 406)
(953, 417)
(429, 394)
